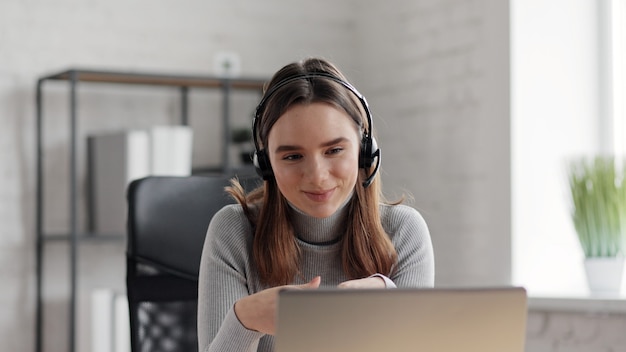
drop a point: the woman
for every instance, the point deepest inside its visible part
(318, 219)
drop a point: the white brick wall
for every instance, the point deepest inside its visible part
(437, 78)
(435, 73)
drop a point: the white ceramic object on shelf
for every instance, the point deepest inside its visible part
(604, 274)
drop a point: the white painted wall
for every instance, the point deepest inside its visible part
(556, 109)
(556, 97)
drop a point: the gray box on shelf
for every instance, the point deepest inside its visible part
(117, 158)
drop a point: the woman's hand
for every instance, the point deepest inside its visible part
(368, 282)
(258, 311)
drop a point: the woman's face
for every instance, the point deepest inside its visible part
(314, 152)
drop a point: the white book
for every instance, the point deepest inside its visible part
(170, 150)
(110, 321)
(122, 324)
(115, 159)
(102, 320)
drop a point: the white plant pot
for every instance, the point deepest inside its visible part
(604, 275)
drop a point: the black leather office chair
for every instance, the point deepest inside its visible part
(167, 222)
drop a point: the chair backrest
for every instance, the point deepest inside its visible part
(167, 221)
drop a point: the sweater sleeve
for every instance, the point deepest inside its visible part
(222, 281)
(411, 238)
(388, 282)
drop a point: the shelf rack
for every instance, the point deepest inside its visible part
(73, 77)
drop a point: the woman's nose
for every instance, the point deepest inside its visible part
(316, 169)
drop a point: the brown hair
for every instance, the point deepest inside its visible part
(366, 248)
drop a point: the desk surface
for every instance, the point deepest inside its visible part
(582, 302)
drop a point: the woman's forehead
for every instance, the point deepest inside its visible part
(317, 122)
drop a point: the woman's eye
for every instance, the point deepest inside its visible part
(335, 150)
(292, 157)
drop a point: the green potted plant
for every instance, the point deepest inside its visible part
(242, 138)
(598, 193)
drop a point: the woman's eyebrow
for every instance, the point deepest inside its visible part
(287, 148)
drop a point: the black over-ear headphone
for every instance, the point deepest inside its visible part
(369, 149)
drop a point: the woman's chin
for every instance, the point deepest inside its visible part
(320, 211)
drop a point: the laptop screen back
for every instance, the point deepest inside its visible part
(402, 320)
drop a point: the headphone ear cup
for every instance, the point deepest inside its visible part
(262, 164)
(369, 152)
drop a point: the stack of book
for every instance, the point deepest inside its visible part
(117, 158)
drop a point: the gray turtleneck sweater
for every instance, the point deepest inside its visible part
(227, 274)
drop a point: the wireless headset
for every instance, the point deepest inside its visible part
(369, 149)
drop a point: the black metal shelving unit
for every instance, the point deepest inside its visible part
(73, 76)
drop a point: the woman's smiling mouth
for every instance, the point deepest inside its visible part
(319, 196)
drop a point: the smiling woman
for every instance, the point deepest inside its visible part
(318, 220)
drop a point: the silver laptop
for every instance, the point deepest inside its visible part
(402, 320)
